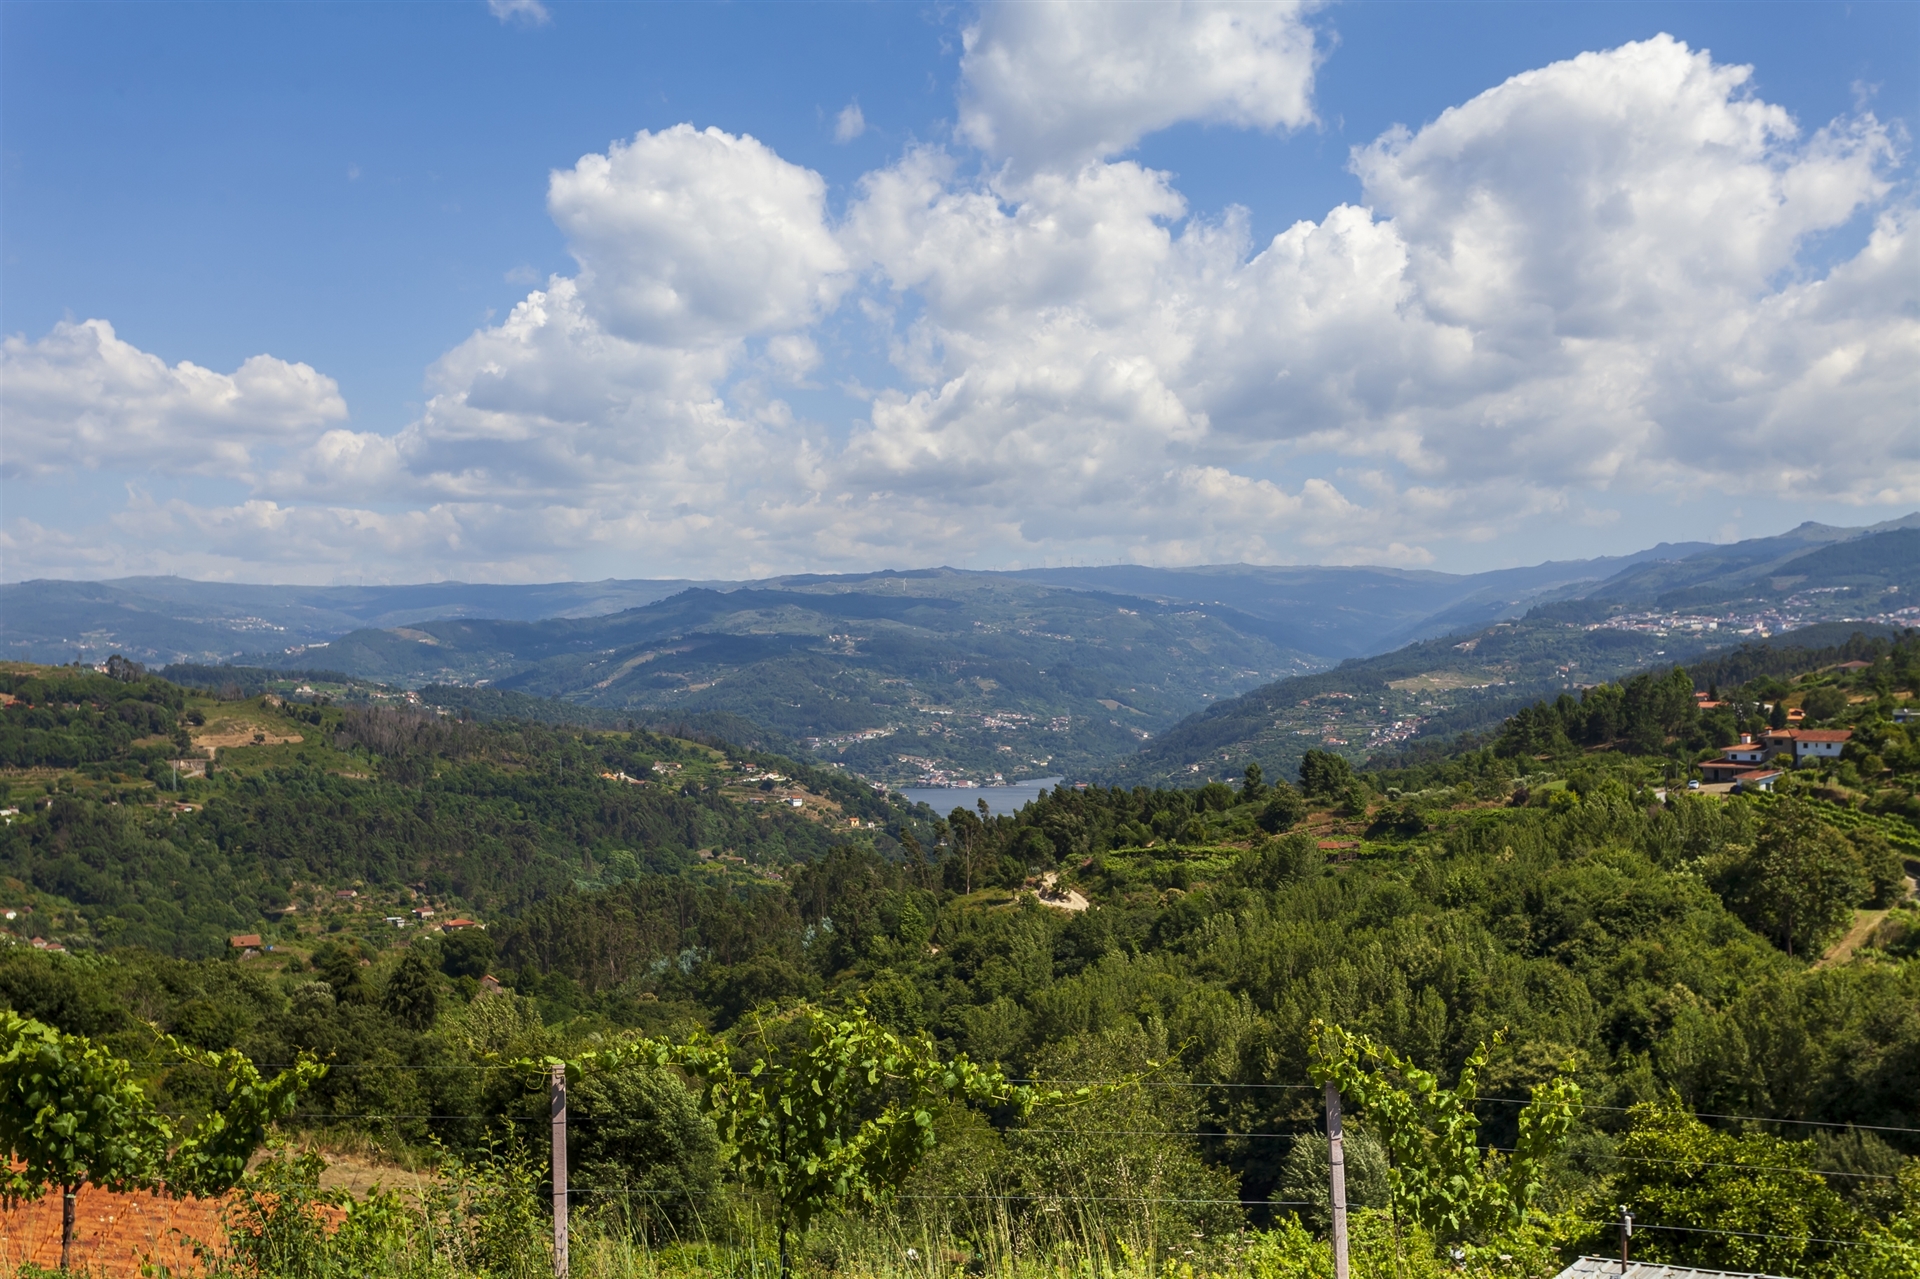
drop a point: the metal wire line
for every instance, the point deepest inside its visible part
(579, 1120)
(1144, 1083)
(628, 1192)
(1740, 1234)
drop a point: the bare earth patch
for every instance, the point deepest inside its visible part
(1864, 922)
(1051, 894)
(235, 732)
(1437, 682)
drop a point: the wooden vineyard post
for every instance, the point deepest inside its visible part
(558, 1098)
(1337, 1177)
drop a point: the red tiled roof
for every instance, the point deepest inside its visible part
(1822, 734)
(244, 940)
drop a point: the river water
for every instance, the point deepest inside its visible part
(1002, 801)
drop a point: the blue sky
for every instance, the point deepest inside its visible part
(363, 190)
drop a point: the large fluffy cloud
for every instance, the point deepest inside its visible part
(686, 236)
(1594, 277)
(1589, 276)
(594, 415)
(1057, 82)
(81, 396)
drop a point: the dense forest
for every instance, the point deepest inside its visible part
(1731, 981)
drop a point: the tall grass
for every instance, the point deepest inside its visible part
(487, 1219)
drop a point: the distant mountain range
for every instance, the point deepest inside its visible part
(1331, 613)
(1123, 671)
(1816, 582)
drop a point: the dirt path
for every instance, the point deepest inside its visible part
(1864, 922)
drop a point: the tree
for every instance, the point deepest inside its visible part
(71, 1114)
(467, 953)
(1762, 1194)
(124, 669)
(1800, 882)
(1305, 1176)
(1325, 775)
(1824, 703)
(213, 1156)
(969, 836)
(833, 1108)
(1283, 809)
(635, 1129)
(339, 966)
(411, 996)
(1439, 1174)
(1254, 786)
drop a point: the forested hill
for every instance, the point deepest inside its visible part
(1562, 899)
(899, 676)
(1431, 692)
(123, 839)
(1434, 688)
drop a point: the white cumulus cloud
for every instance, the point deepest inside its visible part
(1592, 278)
(698, 235)
(80, 396)
(1054, 83)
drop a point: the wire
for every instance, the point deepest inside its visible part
(1706, 1114)
(1738, 1234)
(1505, 1101)
(630, 1193)
(583, 1121)
(1146, 1083)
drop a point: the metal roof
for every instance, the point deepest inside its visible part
(1597, 1267)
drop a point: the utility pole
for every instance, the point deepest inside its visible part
(1626, 1233)
(557, 1097)
(1337, 1176)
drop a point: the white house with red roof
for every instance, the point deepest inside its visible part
(1818, 743)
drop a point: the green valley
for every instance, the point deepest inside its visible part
(420, 899)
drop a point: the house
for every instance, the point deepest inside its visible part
(458, 925)
(1818, 743)
(423, 912)
(41, 943)
(1748, 751)
(245, 941)
(397, 921)
(1610, 1267)
(1756, 779)
(1727, 770)
(490, 985)
(345, 894)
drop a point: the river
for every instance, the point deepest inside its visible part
(1003, 801)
